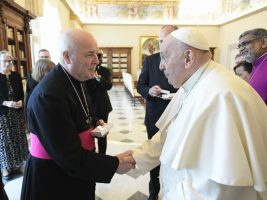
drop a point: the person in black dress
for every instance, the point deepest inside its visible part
(13, 141)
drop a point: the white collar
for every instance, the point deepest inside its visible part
(193, 80)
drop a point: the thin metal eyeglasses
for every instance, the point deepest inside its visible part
(245, 43)
(7, 61)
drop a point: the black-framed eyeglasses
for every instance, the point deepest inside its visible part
(245, 43)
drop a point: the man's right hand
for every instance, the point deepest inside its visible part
(126, 162)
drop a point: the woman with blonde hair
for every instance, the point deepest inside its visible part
(13, 141)
(41, 69)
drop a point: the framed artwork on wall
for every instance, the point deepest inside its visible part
(148, 46)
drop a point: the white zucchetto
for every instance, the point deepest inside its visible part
(191, 37)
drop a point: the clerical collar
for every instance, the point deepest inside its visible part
(192, 81)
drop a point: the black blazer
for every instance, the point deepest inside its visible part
(16, 83)
(97, 90)
(31, 84)
(151, 75)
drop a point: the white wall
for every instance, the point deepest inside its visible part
(123, 36)
(229, 34)
(223, 37)
(46, 29)
(129, 36)
(21, 3)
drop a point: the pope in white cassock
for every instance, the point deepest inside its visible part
(213, 134)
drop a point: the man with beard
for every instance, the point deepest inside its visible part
(253, 47)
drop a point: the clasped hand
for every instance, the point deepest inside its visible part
(127, 162)
(154, 91)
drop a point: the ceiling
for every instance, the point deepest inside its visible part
(181, 12)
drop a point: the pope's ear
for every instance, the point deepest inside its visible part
(188, 58)
(66, 57)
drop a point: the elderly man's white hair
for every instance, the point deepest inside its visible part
(5, 53)
(68, 42)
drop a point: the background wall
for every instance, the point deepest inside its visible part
(46, 30)
(229, 34)
(21, 2)
(129, 36)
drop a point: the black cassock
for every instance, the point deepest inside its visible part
(56, 117)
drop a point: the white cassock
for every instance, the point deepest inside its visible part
(214, 133)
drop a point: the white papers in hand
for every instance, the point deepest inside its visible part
(167, 96)
(164, 91)
(101, 131)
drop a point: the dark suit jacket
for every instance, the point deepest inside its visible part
(31, 84)
(16, 83)
(97, 90)
(151, 75)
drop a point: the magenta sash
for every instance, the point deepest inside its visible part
(37, 150)
(87, 139)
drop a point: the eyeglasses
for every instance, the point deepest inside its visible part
(246, 43)
(7, 61)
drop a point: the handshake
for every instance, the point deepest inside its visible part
(126, 162)
(13, 104)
